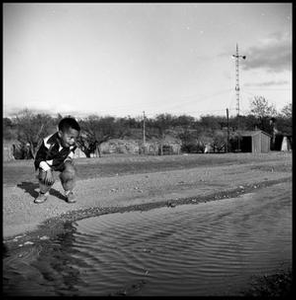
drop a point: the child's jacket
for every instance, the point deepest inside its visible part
(52, 155)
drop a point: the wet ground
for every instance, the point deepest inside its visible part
(68, 261)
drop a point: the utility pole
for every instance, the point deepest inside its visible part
(228, 133)
(237, 88)
(144, 133)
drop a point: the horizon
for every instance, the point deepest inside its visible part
(140, 116)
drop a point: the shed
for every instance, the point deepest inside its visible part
(256, 141)
(79, 153)
(286, 144)
(283, 142)
(9, 149)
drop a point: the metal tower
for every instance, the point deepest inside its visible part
(237, 88)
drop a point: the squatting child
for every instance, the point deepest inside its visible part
(56, 154)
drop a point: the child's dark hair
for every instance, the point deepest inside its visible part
(67, 123)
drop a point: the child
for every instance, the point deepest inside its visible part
(56, 154)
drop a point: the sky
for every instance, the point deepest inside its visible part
(124, 59)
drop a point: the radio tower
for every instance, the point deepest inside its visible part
(237, 88)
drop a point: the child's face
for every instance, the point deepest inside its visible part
(68, 137)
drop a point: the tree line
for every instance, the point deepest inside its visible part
(29, 128)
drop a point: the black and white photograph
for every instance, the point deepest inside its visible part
(147, 149)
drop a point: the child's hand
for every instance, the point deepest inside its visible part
(49, 179)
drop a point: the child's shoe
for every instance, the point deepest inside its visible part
(41, 198)
(70, 197)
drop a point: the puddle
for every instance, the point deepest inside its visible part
(209, 249)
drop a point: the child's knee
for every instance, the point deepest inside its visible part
(68, 173)
(42, 176)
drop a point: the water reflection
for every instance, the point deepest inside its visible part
(207, 249)
(45, 270)
(56, 264)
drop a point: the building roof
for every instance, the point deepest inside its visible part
(252, 132)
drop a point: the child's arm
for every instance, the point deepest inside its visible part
(70, 156)
(49, 178)
(42, 163)
(41, 158)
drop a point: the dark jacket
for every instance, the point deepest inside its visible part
(53, 153)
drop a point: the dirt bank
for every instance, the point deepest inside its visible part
(123, 183)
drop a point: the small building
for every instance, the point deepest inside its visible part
(8, 149)
(286, 144)
(13, 149)
(282, 142)
(79, 153)
(256, 141)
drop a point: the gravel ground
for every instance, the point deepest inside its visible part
(121, 183)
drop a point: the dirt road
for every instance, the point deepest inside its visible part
(120, 183)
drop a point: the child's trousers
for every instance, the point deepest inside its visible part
(67, 177)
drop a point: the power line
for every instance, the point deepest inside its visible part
(259, 89)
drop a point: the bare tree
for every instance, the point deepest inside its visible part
(264, 112)
(260, 108)
(287, 111)
(32, 128)
(95, 131)
(283, 123)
